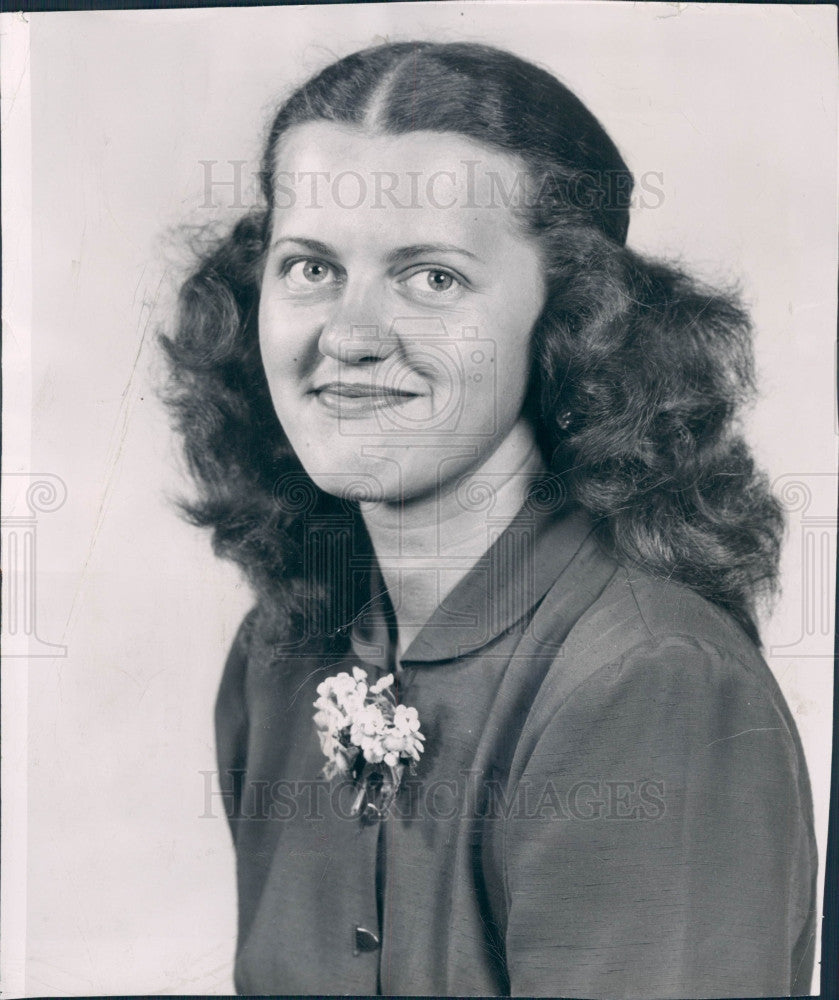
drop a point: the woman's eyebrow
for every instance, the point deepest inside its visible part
(315, 246)
(401, 255)
(404, 255)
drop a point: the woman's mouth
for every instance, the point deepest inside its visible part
(357, 399)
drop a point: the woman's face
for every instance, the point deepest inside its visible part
(396, 308)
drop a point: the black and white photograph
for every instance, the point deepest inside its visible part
(419, 500)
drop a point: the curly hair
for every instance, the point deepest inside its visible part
(652, 366)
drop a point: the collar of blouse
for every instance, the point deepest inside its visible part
(522, 563)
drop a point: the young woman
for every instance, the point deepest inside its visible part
(456, 432)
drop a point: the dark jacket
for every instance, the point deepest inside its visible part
(613, 801)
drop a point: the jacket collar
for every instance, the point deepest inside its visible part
(501, 589)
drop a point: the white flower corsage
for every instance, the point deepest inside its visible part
(365, 735)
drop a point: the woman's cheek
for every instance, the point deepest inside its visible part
(496, 383)
(280, 342)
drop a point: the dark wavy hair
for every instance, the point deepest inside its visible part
(651, 365)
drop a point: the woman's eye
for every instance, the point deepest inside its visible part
(309, 272)
(433, 281)
(439, 281)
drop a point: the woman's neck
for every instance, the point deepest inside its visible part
(425, 546)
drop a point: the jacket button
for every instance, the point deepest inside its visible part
(365, 940)
(371, 814)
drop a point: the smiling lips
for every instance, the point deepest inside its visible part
(358, 389)
(357, 399)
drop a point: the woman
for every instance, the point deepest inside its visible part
(458, 434)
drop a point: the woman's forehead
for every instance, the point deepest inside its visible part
(330, 146)
(418, 186)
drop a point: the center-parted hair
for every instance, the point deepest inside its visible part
(652, 366)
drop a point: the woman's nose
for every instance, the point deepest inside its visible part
(357, 330)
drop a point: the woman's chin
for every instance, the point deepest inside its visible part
(373, 482)
(358, 482)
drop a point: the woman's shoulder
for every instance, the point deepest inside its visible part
(659, 711)
(637, 608)
(638, 617)
(258, 665)
(229, 698)
(654, 683)
(239, 651)
(648, 648)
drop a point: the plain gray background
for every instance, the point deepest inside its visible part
(115, 880)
